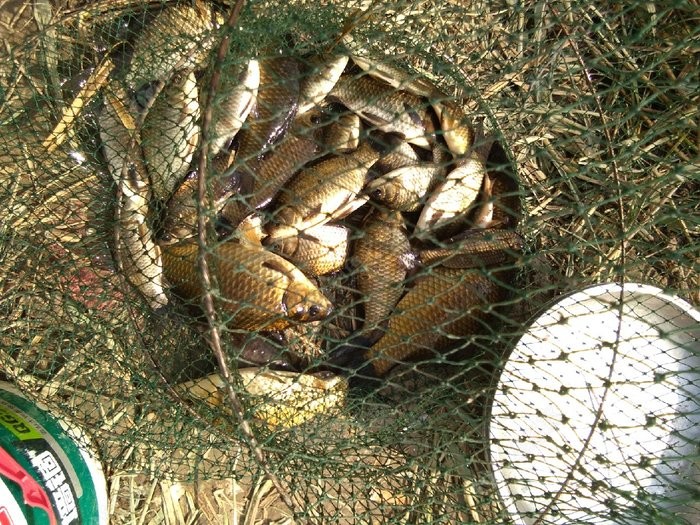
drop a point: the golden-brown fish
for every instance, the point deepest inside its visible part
(407, 185)
(343, 134)
(483, 218)
(276, 106)
(277, 398)
(324, 74)
(454, 124)
(455, 127)
(451, 201)
(391, 74)
(505, 189)
(322, 192)
(180, 35)
(403, 189)
(250, 230)
(257, 289)
(180, 220)
(316, 251)
(474, 249)
(117, 122)
(383, 257)
(237, 93)
(267, 174)
(170, 133)
(441, 307)
(385, 107)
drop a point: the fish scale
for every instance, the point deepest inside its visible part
(319, 251)
(452, 200)
(383, 255)
(316, 85)
(405, 186)
(442, 306)
(238, 91)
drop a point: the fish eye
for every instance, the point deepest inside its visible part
(378, 193)
(314, 310)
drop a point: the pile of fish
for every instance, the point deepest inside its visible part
(349, 197)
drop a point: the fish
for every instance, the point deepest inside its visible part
(406, 186)
(269, 173)
(250, 230)
(451, 201)
(454, 126)
(178, 37)
(397, 77)
(342, 135)
(403, 189)
(257, 289)
(382, 256)
(506, 193)
(325, 72)
(237, 93)
(276, 398)
(117, 123)
(316, 251)
(139, 256)
(474, 249)
(276, 106)
(442, 307)
(385, 107)
(323, 192)
(181, 210)
(170, 133)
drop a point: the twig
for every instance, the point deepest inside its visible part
(259, 491)
(203, 264)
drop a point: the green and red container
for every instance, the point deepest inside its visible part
(46, 475)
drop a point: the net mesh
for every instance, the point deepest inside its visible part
(586, 116)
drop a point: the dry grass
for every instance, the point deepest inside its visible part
(599, 107)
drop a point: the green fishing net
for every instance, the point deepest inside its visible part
(588, 112)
